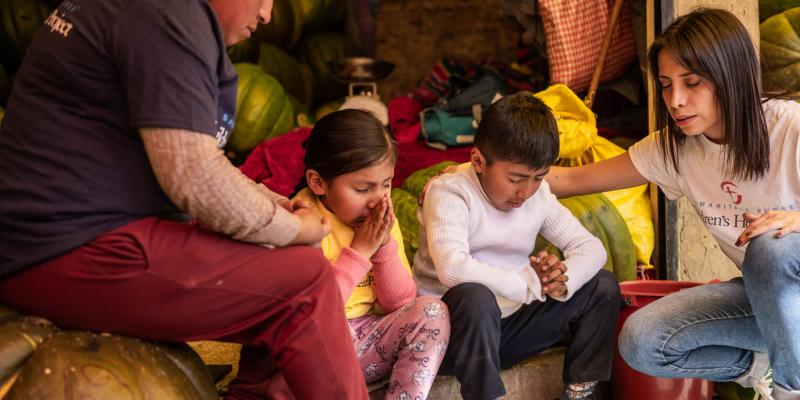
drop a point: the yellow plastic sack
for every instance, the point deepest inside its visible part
(577, 127)
(580, 144)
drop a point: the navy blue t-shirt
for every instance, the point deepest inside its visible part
(72, 165)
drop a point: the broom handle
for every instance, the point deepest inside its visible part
(598, 69)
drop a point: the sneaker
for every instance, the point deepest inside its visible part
(763, 386)
(579, 391)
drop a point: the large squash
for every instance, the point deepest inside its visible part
(768, 8)
(780, 52)
(37, 361)
(316, 52)
(596, 213)
(245, 51)
(295, 78)
(286, 25)
(405, 205)
(262, 109)
(321, 15)
(19, 21)
(301, 117)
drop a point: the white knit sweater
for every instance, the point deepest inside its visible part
(464, 238)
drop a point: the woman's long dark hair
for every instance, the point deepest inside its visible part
(346, 141)
(714, 44)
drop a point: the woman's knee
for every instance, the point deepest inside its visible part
(637, 341)
(768, 257)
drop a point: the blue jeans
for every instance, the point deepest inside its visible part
(715, 331)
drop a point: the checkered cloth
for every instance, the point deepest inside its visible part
(574, 31)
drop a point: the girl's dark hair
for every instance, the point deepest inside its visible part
(518, 128)
(713, 44)
(346, 141)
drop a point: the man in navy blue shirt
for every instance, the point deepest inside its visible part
(120, 213)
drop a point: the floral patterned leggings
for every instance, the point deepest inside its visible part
(407, 344)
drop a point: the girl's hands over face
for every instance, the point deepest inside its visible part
(783, 222)
(374, 231)
(388, 219)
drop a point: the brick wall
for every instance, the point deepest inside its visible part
(415, 34)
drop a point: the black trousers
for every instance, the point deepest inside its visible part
(482, 343)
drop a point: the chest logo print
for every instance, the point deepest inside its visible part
(730, 188)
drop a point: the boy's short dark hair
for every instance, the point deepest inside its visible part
(518, 128)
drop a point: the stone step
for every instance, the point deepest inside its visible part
(537, 378)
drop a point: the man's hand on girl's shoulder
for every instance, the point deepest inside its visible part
(313, 226)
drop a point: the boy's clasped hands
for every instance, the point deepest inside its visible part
(550, 271)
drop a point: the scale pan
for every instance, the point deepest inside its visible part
(360, 69)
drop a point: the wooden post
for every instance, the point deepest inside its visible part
(598, 69)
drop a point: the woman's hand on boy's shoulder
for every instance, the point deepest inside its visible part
(551, 272)
(446, 170)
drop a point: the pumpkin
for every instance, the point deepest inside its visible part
(301, 117)
(768, 8)
(316, 52)
(404, 200)
(19, 21)
(415, 182)
(780, 52)
(245, 51)
(599, 216)
(327, 108)
(296, 79)
(285, 27)
(262, 109)
(37, 361)
(318, 15)
(732, 391)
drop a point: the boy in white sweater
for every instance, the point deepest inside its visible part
(478, 228)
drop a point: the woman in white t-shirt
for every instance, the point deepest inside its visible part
(736, 158)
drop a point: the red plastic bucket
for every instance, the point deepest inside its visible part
(629, 384)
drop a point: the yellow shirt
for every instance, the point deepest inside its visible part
(363, 300)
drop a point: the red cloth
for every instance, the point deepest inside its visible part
(278, 163)
(414, 156)
(165, 280)
(404, 118)
(574, 31)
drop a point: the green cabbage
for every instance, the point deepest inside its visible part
(405, 212)
(416, 181)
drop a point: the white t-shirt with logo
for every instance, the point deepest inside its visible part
(720, 201)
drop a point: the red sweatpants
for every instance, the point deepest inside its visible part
(164, 280)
